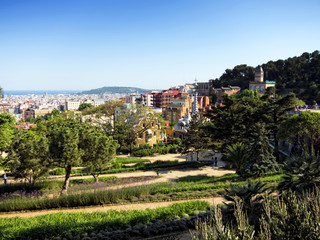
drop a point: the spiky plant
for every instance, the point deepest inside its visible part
(238, 154)
(302, 174)
(250, 195)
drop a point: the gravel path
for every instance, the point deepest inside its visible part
(131, 206)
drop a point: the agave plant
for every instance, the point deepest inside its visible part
(250, 195)
(302, 174)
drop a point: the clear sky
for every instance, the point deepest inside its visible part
(154, 44)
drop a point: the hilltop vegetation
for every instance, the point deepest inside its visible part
(121, 90)
(300, 75)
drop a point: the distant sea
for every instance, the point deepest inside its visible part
(38, 92)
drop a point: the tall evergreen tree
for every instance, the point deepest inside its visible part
(196, 138)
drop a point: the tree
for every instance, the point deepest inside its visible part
(131, 122)
(28, 157)
(7, 123)
(300, 75)
(238, 154)
(303, 130)
(275, 112)
(99, 150)
(64, 140)
(30, 119)
(85, 106)
(55, 112)
(196, 138)
(250, 119)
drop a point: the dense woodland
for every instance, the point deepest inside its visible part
(300, 75)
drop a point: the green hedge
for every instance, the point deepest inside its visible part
(126, 160)
(64, 224)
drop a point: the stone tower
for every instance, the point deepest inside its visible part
(258, 74)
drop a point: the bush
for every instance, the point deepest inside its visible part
(125, 160)
(287, 217)
(143, 152)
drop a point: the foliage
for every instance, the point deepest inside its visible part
(302, 174)
(298, 74)
(134, 121)
(64, 224)
(240, 76)
(275, 112)
(6, 131)
(55, 112)
(30, 119)
(206, 179)
(238, 154)
(99, 150)
(125, 160)
(250, 119)
(291, 217)
(85, 106)
(196, 138)
(215, 228)
(250, 196)
(288, 217)
(303, 130)
(29, 155)
(64, 140)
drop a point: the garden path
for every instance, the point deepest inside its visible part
(131, 206)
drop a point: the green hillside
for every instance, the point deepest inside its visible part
(300, 75)
(121, 90)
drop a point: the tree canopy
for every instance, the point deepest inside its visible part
(29, 156)
(7, 123)
(298, 74)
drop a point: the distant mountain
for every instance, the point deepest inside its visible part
(121, 90)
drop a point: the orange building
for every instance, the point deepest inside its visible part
(177, 109)
(230, 90)
(152, 135)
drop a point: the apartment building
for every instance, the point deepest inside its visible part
(230, 90)
(72, 105)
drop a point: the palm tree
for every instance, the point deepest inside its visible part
(238, 154)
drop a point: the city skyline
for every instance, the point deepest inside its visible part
(81, 45)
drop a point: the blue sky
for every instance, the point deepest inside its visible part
(154, 44)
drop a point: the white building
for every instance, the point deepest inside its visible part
(72, 105)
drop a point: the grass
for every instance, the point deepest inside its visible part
(64, 224)
(151, 192)
(126, 160)
(141, 166)
(201, 179)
